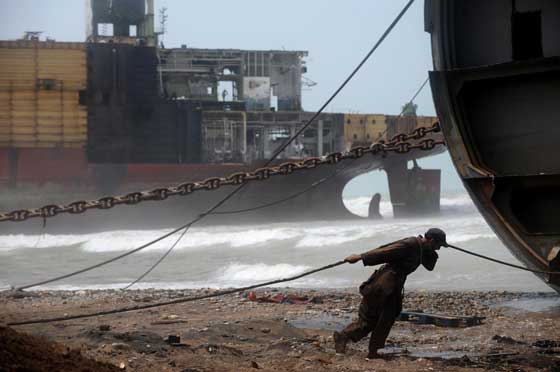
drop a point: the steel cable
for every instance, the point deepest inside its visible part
(409, 102)
(293, 196)
(503, 262)
(418, 91)
(237, 290)
(176, 301)
(237, 189)
(268, 205)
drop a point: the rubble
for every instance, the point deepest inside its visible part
(233, 332)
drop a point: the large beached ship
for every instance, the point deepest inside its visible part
(121, 113)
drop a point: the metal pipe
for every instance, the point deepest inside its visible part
(150, 7)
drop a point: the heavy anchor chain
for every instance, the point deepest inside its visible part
(399, 144)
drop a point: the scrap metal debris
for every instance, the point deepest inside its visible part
(439, 320)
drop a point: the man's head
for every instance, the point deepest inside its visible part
(436, 238)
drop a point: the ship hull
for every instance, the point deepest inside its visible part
(496, 86)
(61, 176)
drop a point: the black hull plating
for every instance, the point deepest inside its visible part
(496, 87)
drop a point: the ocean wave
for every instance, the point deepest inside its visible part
(360, 206)
(307, 282)
(463, 238)
(255, 273)
(334, 235)
(194, 240)
(114, 241)
(461, 227)
(456, 203)
(19, 241)
(301, 236)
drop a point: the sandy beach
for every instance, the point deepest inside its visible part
(520, 331)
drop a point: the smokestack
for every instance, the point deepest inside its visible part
(150, 7)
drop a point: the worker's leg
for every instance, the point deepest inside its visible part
(383, 327)
(354, 332)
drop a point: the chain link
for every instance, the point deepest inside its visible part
(399, 144)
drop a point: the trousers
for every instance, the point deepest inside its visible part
(374, 318)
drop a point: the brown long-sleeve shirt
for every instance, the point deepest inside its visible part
(401, 258)
(403, 255)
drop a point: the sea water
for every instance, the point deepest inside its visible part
(231, 256)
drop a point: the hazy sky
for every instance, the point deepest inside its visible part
(337, 35)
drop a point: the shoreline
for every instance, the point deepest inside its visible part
(234, 333)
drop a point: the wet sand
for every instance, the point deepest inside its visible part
(521, 331)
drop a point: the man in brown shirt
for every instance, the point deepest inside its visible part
(382, 292)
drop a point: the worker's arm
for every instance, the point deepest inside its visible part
(385, 254)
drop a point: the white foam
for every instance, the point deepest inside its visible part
(463, 238)
(334, 235)
(307, 282)
(196, 239)
(255, 273)
(225, 254)
(450, 203)
(459, 199)
(360, 206)
(12, 242)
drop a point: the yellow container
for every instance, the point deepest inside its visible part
(363, 129)
(40, 86)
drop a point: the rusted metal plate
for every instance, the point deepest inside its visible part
(440, 320)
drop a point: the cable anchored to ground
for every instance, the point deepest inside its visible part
(176, 301)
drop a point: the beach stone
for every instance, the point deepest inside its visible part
(120, 346)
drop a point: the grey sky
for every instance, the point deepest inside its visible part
(337, 35)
